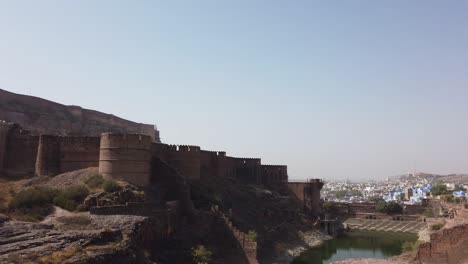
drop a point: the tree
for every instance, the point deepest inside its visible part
(201, 255)
(440, 189)
(376, 199)
(389, 208)
(341, 194)
(329, 207)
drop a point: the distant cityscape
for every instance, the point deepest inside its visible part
(411, 188)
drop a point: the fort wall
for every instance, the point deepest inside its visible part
(308, 193)
(48, 156)
(184, 158)
(247, 170)
(126, 157)
(212, 163)
(273, 174)
(79, 153)
(4, 128)
(246, 243)
(63, 154)
(445, 246)
(20, 153)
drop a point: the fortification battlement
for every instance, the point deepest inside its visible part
(184, 148)
(4, 123)
(125, 141)
(250, 161)
(270, 166)
(73, 140)
(214, 153)
(78, 140)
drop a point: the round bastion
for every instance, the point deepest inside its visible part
(126, 157)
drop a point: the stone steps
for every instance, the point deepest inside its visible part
(386, 225)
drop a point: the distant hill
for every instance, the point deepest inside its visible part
(431, 177)
(41, 116)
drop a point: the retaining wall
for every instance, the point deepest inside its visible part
(446, 246)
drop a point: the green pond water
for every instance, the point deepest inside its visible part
(356, 244)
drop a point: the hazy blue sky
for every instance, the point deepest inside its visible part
(334, 89)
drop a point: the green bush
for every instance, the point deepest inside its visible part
(76, 193)
(33, 197)
(33, 204)
(111, 186)
(428, 213)
(201, 255)
(43, 197)
(389, 208)
(329, 207)
(63, 202)
(408, 246)
(440, 189)
(95, 181)
(252, 235)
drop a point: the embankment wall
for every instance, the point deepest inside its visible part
(446, 246)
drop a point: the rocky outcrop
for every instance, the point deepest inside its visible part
(104, 239)
(128, 194)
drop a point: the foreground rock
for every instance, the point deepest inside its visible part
(74, 239)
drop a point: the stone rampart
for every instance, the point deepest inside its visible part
(126, 157)
(246, 243)
(79, 153)
(4, 128)
(308, 194)
(20, 153)
(273, 174)
(63, 154)
(448, 246)
(48, 156)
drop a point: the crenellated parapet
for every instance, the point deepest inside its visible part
(273, 174)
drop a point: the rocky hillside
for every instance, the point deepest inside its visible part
(46, 117)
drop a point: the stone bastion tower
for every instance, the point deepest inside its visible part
(126, 157)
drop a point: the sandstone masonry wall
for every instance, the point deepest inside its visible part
(248, 246)
(63, 154)
(21, 152)
(78, 153)
(4, 128)
(308, 193)
(448, 246)
(273, 174)
(48, 156)
(126, 157)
